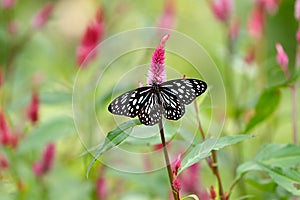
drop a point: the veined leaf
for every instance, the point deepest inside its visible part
(191, 196)
(113, 138)
(266, 105)
(203, 150)
(286, 178)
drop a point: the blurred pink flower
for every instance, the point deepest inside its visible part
(222, 9)
(33, 108)
(297, 10)
(298, 36)
(45, 164)
(41, 17)
(157, 71)
(282, 59)
(234, 30)
(101, 188)
(5, 135)
(256, 22)
(250, 56)
(7, 4)
(92, 36)
(270, 6)
(13, 27)
(4, 164)
(168, 17)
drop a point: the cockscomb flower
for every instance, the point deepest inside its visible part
(213, 194)
(176, 185)
(282, 59)
(157, 72)
(168, 17)
(222, 9)
(45, 164)
(33, 109)
(42, 16)
(91, 38)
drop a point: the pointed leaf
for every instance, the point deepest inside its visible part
(203, 150)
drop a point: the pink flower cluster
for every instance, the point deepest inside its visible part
(33, 108)
(157, 71)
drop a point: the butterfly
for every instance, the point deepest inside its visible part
(151, 102)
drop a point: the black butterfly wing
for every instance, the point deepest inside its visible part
(151, 112)
(186, 90)
(130, 103)
(173, 108)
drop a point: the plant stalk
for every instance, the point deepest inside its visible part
(167, 160)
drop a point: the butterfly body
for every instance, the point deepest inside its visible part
(151, 102)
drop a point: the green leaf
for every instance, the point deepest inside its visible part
(286, 178)
(46, 132)
(276, 155)
(203, 150)
(113, 138)
(266, 105)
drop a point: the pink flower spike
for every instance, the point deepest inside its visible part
(222, 9)
(5, 135)
(4, 164)
(42, 16)
(7, 4)
(282, 59)
(33, 109)
(297, 10)
(157, 71)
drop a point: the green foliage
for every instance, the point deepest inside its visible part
(280, 162)
(203, 150)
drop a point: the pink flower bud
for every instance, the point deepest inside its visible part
(222, 9)
(213, 194)
(176, 185)
(42, 16)
(101, 188)
(7, 4)
(177, 165)
(92, 36)
(297, 10)
(33, 109)
(157, 71)
(282, 59)
(5, 135)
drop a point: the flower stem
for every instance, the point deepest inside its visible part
(167, 160)
(294, 113)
